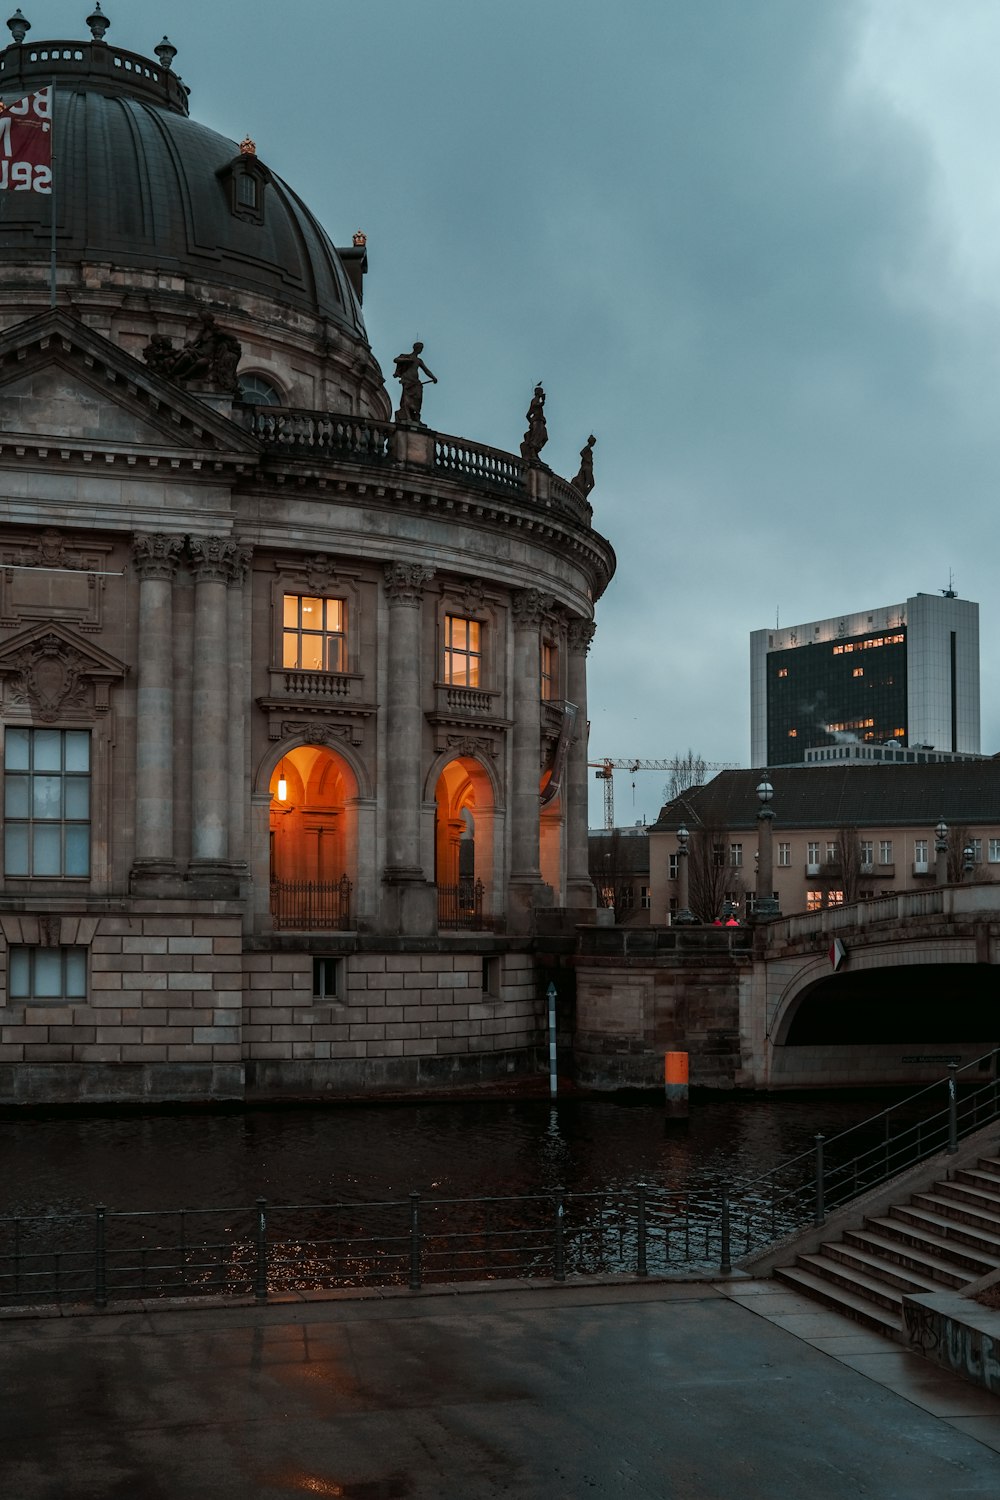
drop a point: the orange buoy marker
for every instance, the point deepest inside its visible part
(675, 1083)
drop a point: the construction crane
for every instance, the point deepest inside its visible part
(605, 771)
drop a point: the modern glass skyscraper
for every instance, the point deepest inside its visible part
(903, 673)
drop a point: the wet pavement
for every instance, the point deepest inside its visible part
(678, 1391)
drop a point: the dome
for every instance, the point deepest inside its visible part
(142, 185)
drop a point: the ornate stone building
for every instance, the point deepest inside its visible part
(293, 694)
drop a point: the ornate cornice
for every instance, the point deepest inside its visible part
(405, 583)
(156, 554)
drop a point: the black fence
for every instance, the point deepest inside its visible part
(262, 1249)
(265, 1248)
(311, 905)
(461, 905)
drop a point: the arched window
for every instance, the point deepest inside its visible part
(257, 390)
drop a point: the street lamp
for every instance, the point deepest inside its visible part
(941, 852)
(683, 914)
(968, 861)
(765, 906)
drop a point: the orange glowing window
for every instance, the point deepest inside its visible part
(314, 637)
(462, 651)
(548, 683)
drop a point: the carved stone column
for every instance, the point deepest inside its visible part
(239, 695)
(212, 560)
(528, 607)
(579, 886)
(156, 557)
(405, 911)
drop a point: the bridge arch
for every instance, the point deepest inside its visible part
(921, 990)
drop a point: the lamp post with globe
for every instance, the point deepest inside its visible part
(765, 906)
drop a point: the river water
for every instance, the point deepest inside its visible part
(353, 1153)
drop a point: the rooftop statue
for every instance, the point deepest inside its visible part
(407, 372)
(537, 435)
(583, 479)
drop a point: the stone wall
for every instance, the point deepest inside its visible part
(399, 1020)
(629, 1014)
(162, 1018)
(178, 1007)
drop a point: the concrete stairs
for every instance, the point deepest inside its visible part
(940, 1239)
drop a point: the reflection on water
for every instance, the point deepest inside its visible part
(363, 1152)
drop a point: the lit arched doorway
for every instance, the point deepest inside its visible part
(313, 829)
(464, 843)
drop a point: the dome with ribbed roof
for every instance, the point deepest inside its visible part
(150, 201)
(143, 185)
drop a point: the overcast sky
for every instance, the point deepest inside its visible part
(754, 245)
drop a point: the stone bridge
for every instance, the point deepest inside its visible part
(879, 992)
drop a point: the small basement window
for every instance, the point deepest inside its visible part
(329, 978)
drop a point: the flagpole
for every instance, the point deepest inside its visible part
(52, 181)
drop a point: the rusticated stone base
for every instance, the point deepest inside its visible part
(357, 1078)
(119, 1083)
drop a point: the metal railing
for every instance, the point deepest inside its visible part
(264, 1249)
(311, 905)
(461, 905)
(261, 1249)
(801, 1191)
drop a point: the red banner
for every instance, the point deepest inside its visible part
(26, 143)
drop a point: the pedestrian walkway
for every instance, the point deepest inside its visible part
(647, 1390)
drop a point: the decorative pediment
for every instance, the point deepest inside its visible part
(62, 384)
(51, 673)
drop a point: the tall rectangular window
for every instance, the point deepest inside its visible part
(784, 854)
(994, 855)
(548, 684)
(463, 655)
(46, 974)
(885, 852)
(812, 854)
(672, 867)
(920, 851)
(314, 634)
(736, 855)
(47, 803)
(867, 848)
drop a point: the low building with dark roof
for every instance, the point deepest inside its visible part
(840, 833)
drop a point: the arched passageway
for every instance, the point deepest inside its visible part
(313, 830)
(464, 828)
(913, 1003)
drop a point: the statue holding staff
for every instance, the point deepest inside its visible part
(407, 372)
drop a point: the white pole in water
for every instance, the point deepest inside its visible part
(553, 1077)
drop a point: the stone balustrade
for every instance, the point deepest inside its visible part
(293, 431)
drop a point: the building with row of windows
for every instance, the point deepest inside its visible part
(840, 833)
(293, 691)
(899, 675)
